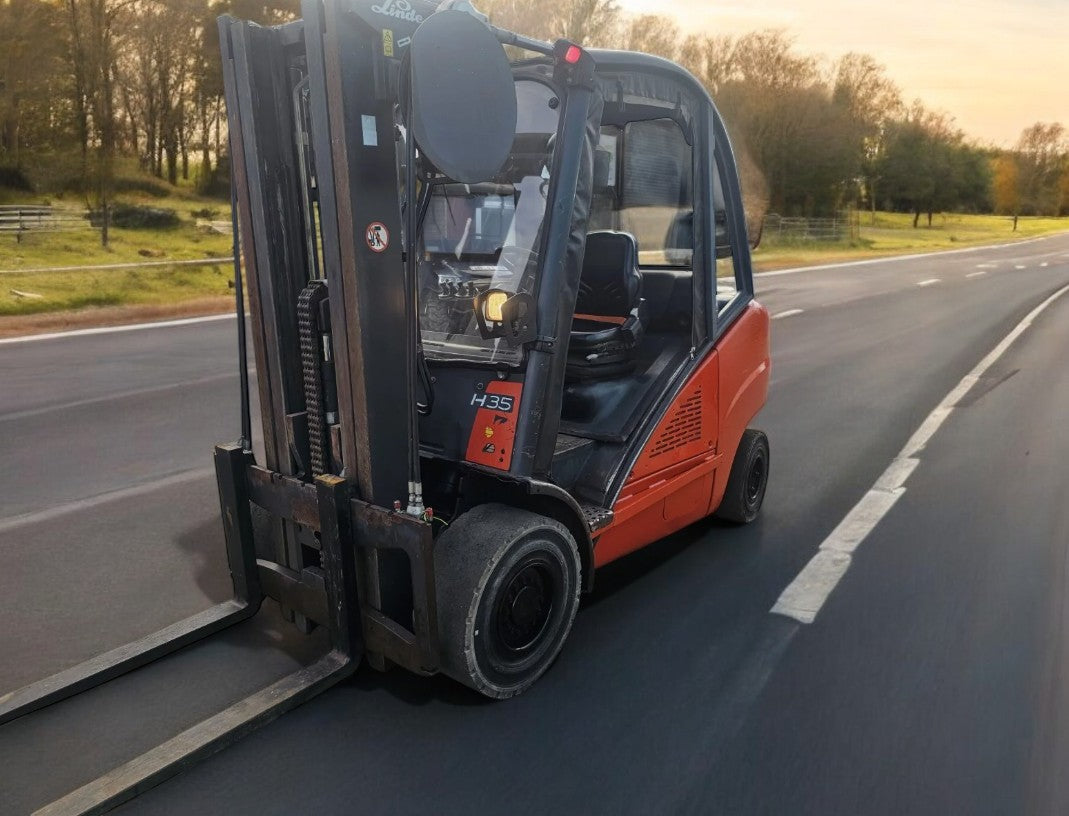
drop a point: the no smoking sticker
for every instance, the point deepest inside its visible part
(378, 237)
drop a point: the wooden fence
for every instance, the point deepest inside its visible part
(19, 219)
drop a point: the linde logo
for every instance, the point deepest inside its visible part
(401, 9)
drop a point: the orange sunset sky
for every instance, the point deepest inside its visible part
(997, 66)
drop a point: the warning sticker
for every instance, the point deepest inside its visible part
(378, 237)
(387, 42)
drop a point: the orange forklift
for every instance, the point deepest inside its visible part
(504, 327)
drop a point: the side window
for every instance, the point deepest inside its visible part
(727, 283)
(655, 197)
(604, 206)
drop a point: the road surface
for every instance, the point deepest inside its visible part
(934, 680)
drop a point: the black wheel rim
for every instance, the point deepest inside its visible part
(755, 481)
(524, 608)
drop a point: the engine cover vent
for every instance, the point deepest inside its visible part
(684, 427)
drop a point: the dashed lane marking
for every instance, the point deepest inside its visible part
(929, 282)
(1018, 266)
(976, 274)
(804, 597)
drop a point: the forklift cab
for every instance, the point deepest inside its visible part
(621, 234)
(594, 350)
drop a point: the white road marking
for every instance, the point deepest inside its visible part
(1018, 266)
(976, 274)
(986, 266)
(120, 395)
(163, 324)
(804, 597)
(892, 258)
(1043, 264)
(929, 282)
(787, 313)
(806, 594)
(13, 522)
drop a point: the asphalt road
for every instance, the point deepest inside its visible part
(934, 680)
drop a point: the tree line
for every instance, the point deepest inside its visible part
(101, 79)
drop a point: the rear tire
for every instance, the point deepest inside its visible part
(748, 480)
(508, 583)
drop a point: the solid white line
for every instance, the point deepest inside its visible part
(162, 324)
(787, 313)
(976, 274)
(13, 522)
(893, 258)
(119, 395)
(929, 282)
(805, 595)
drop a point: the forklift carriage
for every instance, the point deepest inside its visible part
(492, 352)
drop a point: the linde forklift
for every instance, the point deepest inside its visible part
(504, 329)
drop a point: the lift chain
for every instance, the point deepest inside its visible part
(312, 353)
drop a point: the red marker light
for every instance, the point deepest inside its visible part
(572, 55)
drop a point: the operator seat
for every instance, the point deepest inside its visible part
(609, 310)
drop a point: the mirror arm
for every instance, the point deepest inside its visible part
(506, 37)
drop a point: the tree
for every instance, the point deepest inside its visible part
(588, 22)
(927, 166)
(1041, 155)
(871, 101)
(652, 34)
(1005, 187)
(31, 45)
(95, 34)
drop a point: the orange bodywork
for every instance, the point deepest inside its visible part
(681, 473)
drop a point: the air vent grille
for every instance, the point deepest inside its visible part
(683, 428)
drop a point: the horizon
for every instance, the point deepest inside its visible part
(954, 60)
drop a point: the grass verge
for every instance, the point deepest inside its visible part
(890, 234)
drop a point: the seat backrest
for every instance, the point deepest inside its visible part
(610, 284)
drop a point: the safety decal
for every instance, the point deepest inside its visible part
(378, 237)
(494, 428)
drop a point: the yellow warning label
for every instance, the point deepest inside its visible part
(488, 431)
(387, 42)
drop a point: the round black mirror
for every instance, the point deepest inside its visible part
(462, 95)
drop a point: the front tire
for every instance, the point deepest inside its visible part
(508, 583)
(748, 480)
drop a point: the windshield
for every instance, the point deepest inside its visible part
(480, 236)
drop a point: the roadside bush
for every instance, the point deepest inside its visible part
(215, 183)
(131, 216)
(15, 179)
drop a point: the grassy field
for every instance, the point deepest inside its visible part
(174, 289)
(893, 234)
(36, 292)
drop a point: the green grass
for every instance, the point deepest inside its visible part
(888, 234)
(893, 234)
(78, 290)
(82, 247)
